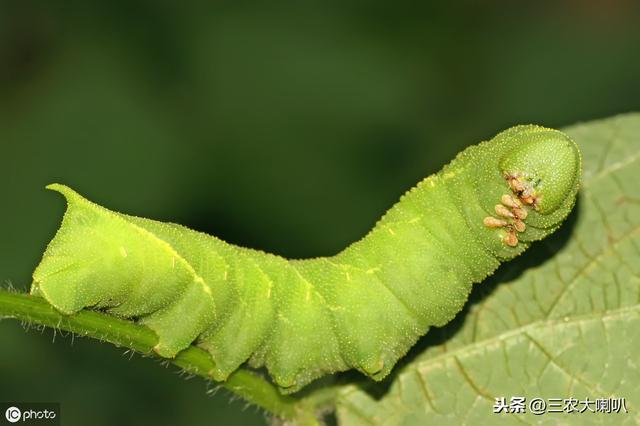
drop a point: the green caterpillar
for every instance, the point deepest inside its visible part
(362, 308)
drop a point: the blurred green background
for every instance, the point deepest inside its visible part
(282, 126)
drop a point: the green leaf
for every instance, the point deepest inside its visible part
(561, 321)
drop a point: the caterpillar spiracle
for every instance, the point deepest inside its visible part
(362, 308)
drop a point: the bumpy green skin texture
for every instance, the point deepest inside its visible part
(362, 308)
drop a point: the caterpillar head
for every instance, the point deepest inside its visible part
(541, 169)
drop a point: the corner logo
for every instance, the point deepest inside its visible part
(13, 414)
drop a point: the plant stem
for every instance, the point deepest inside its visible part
(249, 385)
